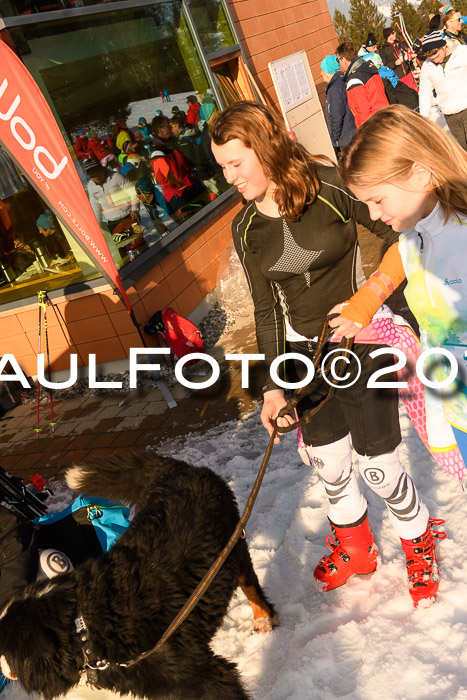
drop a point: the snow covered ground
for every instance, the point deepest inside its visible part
(363, 641)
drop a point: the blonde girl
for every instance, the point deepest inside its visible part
(413, 176)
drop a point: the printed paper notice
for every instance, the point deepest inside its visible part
(291, 81)
(283, 87)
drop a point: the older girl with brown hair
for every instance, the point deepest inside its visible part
(297, 240)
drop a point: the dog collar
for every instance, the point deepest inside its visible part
(92, 664)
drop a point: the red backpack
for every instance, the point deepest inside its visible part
(175, 332)
(173, 172)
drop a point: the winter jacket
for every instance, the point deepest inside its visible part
(124, 135)
(448, 81)
(372, 56)
(390, 54)
(365, 90)
(341, 123)
(433, 254)
(208, 109)
(98, 149)
(81, 146)
(188, 142)
(172, 171)
(145, 133)
(298, 270)
(135, 166)
(114, 199)
(193, 116)
(454, 40)
(396, 91)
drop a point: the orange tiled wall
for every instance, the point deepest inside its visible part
(97, 322)
(273, 29)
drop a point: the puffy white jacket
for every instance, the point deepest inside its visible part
(449, 82)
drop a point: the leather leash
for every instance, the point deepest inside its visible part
(239, 531)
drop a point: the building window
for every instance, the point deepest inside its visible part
(211, 23)
(133, 100)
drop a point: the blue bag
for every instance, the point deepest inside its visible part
(88, 527)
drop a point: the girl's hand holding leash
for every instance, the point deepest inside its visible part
(274, 400)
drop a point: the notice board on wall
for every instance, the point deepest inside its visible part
(300, 104)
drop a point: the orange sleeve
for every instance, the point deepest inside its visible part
(378, 287)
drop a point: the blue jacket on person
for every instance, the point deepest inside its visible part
(341, 123)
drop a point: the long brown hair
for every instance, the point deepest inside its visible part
(387, 145)
(285, 162)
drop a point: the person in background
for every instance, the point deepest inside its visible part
(144, 130)
(186, 140)
(161, 133)
(446, 74)
(48, 229)
(192, 115)
(396, 56)
(112, 134)
(435, 22)
(111, 195)
(445, 8)
(136, 160)
(341, 123)
(15, 254)
(80, 145)
(452, 29)
(363, 84)
(151, 197)
(296, 237)
(174, 173)
(124, 134)
(208, 109)
(369, 51)
(98, 148)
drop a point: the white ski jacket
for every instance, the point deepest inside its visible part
(450, 84)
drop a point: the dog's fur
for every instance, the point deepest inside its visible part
(128, 596)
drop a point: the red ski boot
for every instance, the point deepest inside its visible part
(422, 567)
(353, 552)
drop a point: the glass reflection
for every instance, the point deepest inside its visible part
(130, 94)
(211, 24)
(36, 252)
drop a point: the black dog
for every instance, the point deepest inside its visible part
(128, 596)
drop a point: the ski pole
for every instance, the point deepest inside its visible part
(52, 421)
(39, 302)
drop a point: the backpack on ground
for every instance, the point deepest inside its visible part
(86, 528)
(175, 332)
